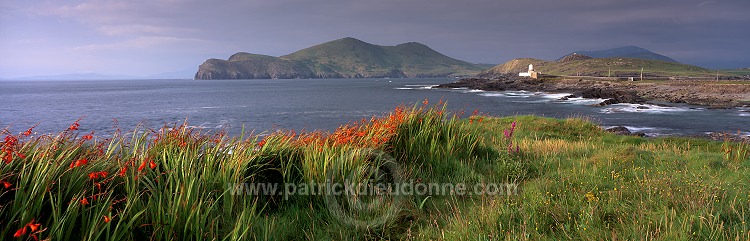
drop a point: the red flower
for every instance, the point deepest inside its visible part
(261, 143)
(425, 102)
(151, 164)
(34, 226)
(143, 165)
(87, 137)
(84, 201)
(106, 219)
(6, 184)
(123, 171)
(79, 163)
(74, 126)
(95, 175)
(28, 132)
(20, 232)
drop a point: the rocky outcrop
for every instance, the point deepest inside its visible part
(511, 82)
(624, 131)
(253, 67)
(715, 95)
(613, 96)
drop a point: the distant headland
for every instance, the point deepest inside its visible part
(342, 58)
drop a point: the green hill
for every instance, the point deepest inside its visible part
(512, 66)
(342, 58)
(615, 67)
(632, 52)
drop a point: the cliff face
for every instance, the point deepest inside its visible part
(248, 66)
(343, 58)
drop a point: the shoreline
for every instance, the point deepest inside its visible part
(702, 93)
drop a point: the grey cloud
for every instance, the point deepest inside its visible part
(709, 33)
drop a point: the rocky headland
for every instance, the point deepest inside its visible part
(705, 93)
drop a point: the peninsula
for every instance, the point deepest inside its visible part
(342, 58)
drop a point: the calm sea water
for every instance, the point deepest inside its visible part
(264, 105)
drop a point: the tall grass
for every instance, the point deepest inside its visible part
(178, 183)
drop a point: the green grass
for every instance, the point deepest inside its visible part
(605, 67)
(738, 72)
(574, 181)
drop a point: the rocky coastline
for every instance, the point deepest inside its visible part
(704, 93)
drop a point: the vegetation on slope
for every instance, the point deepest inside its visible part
(343, 58)
(352, 58)
(632, 52)
(605, 67)
(573, 181)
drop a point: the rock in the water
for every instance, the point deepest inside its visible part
(567, 97)
(619, 130)
(613, 96)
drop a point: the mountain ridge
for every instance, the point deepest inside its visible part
(342, 58)
(630, 51)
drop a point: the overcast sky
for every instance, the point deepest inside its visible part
(137, 37)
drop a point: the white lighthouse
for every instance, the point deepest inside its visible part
(531, 73)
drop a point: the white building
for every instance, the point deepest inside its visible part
(531, 73)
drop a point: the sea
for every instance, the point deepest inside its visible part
(266, 105)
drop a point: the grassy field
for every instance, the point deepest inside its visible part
(526, 178)
(609, 67)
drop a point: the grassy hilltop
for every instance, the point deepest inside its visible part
(604, 67)
(342, 58)
(527, 177)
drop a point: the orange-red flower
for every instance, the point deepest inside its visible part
(151, 164)
(34, 226)
(28, 132)
(31, 225)
(84, 201)
(6, 184)
(143, 165)
(88, 137)
(261, 143)
(74, 126)
(425, 102)
(79, 163)
(106, 219)
(95, 175)
(123, 171)
(20, 232)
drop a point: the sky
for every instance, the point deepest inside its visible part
(142, 38)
